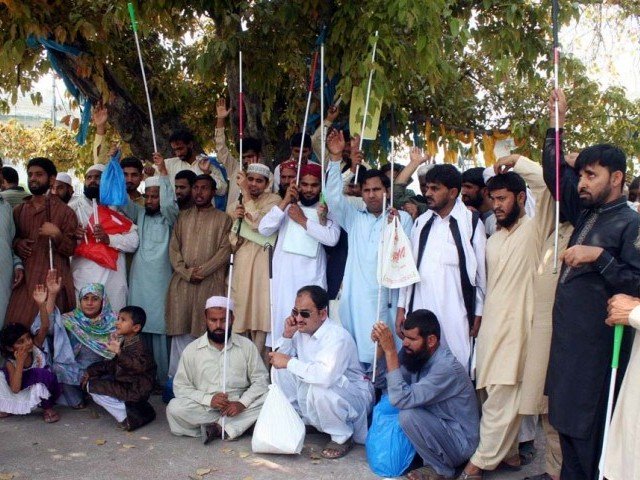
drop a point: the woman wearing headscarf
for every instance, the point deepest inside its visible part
(80, 338)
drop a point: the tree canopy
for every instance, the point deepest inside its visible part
(470, 65)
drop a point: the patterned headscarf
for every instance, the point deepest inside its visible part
(93, 334)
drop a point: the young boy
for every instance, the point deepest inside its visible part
(123, 384)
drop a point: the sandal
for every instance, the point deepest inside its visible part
(50, 416)
(81, 406)
(425, 473)
(210, 432)
(333, 450)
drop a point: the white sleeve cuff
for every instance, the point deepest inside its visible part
(634, 318)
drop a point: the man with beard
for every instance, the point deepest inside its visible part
(512, 255)
(132, 168)
(42, 220)
(449, 247)
(303, 227)
(475, 195)
(199, 401)
(151, 269)
(183, 145)
(199, 252)
(602, 260)
(87, 271)
(251, 150)
(183, 182)
(63, 187)
(432, 390)
(288, 174)
(358, 304)
(250, 286)
(317, 369)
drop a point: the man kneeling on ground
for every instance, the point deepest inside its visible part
(432, 390)
(317, 369)
(200, 404)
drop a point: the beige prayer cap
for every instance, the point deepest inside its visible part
(219, 302)
(152, 182)
(260, 169)
(97, 167)
(64, 178)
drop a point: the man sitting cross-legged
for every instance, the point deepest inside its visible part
(317, 369)
(200, 404)
(432, 390)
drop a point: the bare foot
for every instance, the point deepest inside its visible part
(50, 416)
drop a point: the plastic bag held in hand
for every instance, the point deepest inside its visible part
(396, 266)
(112, 223)
(113, 190)
(389, 451)
(279, 428)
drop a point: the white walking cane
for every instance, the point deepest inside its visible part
(615, 359)
(134, 26)
(240, 113)
(48, 199)
(366, 105)
(556, 55)
(375, 345)
(306, 114)
(226, 336)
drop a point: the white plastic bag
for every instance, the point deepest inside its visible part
(396, 266)
(279, 428)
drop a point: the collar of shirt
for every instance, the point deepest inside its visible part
(607, 207)
(203, 342)
(320, 333)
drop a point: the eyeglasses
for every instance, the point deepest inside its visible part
(302, 313)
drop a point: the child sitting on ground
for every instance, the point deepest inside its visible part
(27, 381)
(122, 385)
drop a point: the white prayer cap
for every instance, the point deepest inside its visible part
(97, 167)
(64, 178)
(423, 169)
(260, 169)
(152, 182)
(219, 302)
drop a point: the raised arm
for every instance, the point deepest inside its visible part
(342, 210)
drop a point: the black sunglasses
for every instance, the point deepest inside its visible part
(302, 313)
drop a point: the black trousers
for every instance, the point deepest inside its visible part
(581, 456)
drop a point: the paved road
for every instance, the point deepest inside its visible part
(87, 445)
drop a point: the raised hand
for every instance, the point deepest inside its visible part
(504, 164)
(54, 282)
(332, 113)
(40, 294)
(383, 336)
(221, 109)
(417, 156)
(336, 144)
(100, 115)
(562, 108)
(158, 161)
(114, 346)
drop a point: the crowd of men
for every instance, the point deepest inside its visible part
(492, 337)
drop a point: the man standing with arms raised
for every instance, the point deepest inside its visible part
(358, 306)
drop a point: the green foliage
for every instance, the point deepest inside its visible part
(20, 143)
(470, 63)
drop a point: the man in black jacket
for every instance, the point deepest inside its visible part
(601, 261)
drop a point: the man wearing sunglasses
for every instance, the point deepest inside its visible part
(317, 368)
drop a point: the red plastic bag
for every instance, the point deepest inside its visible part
(113, 223)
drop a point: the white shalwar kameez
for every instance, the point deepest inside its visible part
(440, 289)
(87, 271)
(292, 271)
(326, 383)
